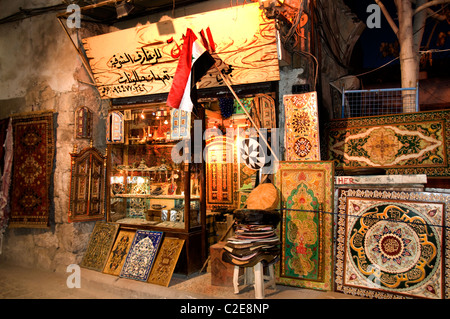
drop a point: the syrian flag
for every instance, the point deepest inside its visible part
(193, 63)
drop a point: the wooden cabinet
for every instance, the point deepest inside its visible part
(86, 185)
(148, 187)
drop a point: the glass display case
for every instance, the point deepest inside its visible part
(146, 188)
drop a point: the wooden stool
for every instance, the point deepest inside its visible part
(254, 275)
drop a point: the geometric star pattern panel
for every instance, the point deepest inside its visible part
(410, 143)
(392, 244)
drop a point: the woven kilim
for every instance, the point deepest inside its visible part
(302, 127)
(393, 244)
(165, 262)
(306, 229)
(100, 244)
(410, 143)
(32, 169)
(119, 252)
(141, 255)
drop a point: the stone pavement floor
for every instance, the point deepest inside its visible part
(28, 291)
(23, 283)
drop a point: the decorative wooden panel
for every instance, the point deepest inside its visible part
(143, 60)
(266, 110)
(222, 175)
(87, 185)
(83, 122)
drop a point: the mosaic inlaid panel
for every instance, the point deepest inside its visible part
(100, 244)
(306, 229)
(392, 244)
(410, 143)
(166, 261)
(302, 127)
(141, 255)
(119, 252)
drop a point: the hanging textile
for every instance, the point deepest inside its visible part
(7, 157)
(31, 173)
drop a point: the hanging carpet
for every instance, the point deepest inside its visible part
(34, 148)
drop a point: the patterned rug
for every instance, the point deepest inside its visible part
(410, 143)
(392, 244)
(165, 262)
(32, 169)
(307, 226)
(119, 252)
(302, 127)
(141, 255)
(100, 244)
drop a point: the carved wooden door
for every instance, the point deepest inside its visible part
(87, 185)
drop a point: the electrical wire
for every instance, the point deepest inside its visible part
(27, 13)
(380, 67)
(316, 73)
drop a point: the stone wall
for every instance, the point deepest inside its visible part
(40, 70)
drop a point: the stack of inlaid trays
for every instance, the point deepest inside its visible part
(253, 242)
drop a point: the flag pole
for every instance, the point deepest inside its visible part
(246, 112)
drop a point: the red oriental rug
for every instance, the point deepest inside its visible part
(32, 168)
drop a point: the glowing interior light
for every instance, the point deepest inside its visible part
(116, 179)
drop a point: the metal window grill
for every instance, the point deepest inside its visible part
(357, 103)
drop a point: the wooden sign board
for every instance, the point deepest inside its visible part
(143, 60)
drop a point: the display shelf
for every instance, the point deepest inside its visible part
(146, 189)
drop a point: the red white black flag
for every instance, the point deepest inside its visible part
(193, 64)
